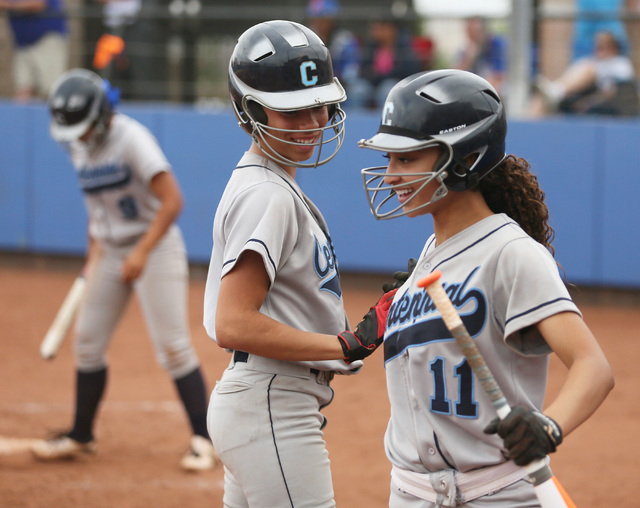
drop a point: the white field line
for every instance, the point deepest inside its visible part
(145, 406)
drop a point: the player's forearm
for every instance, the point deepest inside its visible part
(258, 334)
(166, 189)
(170, 197)
(588, 382)
(165, 217)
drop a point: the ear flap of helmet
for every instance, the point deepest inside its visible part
(256, 111)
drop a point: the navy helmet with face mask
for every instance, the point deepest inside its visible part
(284, 66)
(455, 110)
(80, 101)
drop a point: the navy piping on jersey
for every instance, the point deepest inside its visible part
(484, 238)
(275, 443)
(265, 248)
(318, 222)
(261, 243)
(326, 233)
(537, 307)
(472, 244)
(435, 439)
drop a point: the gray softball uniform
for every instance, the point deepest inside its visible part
(264, 415)
(115, 179)
(502, 283)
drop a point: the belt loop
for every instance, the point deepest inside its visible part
(240, 356)
(263, 364)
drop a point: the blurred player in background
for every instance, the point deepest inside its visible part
(133, 200)
(444, 135)
(273, 294)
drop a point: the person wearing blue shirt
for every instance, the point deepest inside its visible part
(597, 16)
(40, 34)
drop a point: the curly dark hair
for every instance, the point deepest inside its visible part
(513, 189)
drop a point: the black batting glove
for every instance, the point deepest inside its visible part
(527, 434)
(369, 333)
(400, 277)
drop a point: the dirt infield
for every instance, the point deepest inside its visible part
(142, 431)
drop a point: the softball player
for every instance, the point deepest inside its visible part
(444, 135)
(132, 200)
(273, 295)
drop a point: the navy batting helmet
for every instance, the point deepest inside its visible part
(284, 66)
(80, 100)
(456, 110)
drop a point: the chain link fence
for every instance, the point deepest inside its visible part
(178, 50)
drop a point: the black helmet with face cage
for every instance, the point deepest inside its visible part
(79, 100)
(456, 110)
(284, 66)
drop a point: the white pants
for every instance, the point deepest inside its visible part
(267, 429)
(162, 292)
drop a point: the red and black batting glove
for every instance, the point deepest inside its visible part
(527, 434)
(369, 333)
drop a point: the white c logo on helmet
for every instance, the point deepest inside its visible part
(306, 69)
(386, 113)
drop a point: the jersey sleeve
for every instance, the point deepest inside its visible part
(262, 219)
(144, 155)
(528, 288)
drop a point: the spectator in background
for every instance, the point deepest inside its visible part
(425, 49)
(632, 27)
(388, 56)
(483, 54)
(597, 16)
(602, 83)
(40, 35)
(344, 46)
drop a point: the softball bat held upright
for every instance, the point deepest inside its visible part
(548, 490)
(62, 322)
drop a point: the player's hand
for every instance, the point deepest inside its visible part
(133, 265)
(400, 277)
(527, 434)
(369, 333)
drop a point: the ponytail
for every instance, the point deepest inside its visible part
(512, 189)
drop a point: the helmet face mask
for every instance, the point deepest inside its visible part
(80, 107)
(284, 66)
(382, 196)
(331, 136)
(456, 110)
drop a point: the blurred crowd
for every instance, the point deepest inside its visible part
(600, 79)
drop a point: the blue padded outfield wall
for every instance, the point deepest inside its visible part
(587, 168)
